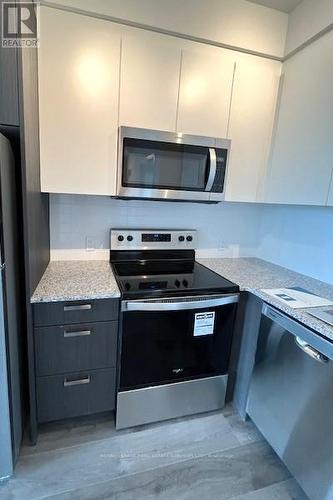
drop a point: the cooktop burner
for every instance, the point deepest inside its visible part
(161, 263)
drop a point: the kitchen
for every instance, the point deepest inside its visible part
(166, 187)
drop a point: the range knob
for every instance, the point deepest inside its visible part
(181, 238)
(189, 238)
(129, 238)
(120, 237)
(177, 283)
(127, 286)
(185, 283)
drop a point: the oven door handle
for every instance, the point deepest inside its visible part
(212, 169)
(132, 305)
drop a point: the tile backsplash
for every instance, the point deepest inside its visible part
(298, 238)
(80, 225)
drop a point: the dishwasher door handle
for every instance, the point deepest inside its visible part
(311, 351)
(178, 305)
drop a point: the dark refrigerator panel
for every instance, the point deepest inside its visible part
(11, 289)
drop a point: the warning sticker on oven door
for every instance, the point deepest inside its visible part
(204, 323)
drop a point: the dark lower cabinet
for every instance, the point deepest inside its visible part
(75, 360)
(83, 311)
(75, 394)
(68, 348)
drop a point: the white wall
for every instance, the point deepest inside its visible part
(233, 22)
(298, 237)
(309, 17)
(225, 229)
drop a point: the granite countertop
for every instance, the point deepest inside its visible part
(253, 275)
(76, 280)
(81, 280)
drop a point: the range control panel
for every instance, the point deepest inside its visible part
(153, 239)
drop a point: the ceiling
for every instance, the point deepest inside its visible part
(283, 5)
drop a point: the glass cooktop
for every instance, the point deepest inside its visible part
(146, 278)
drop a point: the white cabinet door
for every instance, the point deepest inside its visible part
(78, 103)
(301, 165)
(255, 90)
(205, 90)
(150, 66)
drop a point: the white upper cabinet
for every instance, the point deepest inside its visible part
(205, 90)
(150, 66)
(78, 102)
(255, 90)
(302, 158)
(98, 76)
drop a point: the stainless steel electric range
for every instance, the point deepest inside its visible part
(177, 320)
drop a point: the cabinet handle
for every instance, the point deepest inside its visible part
(81, 307)
(80, 381)
(78, 333)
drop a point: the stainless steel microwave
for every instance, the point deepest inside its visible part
(171, 166)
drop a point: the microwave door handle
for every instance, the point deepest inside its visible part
(212, 169)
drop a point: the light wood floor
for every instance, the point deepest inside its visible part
(208, 457)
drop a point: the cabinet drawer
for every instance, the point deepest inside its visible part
(87, 346)
(75, 394)
(83, 311)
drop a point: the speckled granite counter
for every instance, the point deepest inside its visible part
(253, 275)
(76, 280)
(81, 280)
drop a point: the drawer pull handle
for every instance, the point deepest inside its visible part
(81, 333)
(81, 307)
(80, 381)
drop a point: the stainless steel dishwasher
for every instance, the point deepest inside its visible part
(291, 399)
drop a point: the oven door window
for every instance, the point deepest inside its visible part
(160, 165)
(162, 347)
